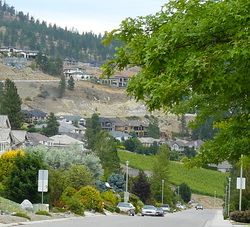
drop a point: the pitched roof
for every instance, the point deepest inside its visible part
(4, 121)
(64, 139)
(20, 136)
(64, 127)
(5, 134)
(118, 134)
(38, 113)
(34, 138)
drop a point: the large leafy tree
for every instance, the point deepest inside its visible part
(22, 180)
(194, 57)
(10, 104)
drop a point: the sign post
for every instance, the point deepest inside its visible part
(43, 181)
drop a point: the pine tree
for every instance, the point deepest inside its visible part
(62, 86)
(10, 104)
(52, 126)
(71, 84)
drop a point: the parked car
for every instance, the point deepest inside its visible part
(199, 207)
(148, 210)
(127, 208)
(165, 207)
(159, 211)
(181, 206)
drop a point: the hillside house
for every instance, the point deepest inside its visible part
(148, 141)
(77, 74)
(34, 116)
(70, 119)
(129, 126)
(65, 128)
(116, 81)
(21, 53)
(107, 124)
(70, 61)
(121, 136)
(180, 145)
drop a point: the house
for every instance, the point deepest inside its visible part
(21, 53)
(62, 141)
(70, 61)
(180, 145)
(77, 74)
(223, 167)
(20, 138)
(7, 139)
(34, 116)
(129, 126)
(65, 128)
(121, 136)
(116, 80)
(35, 139)
(70, 119)
(149, 141)
(107, 124)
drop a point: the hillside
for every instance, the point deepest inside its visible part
(86, 99)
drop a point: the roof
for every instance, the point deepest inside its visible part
(70, 118)
(118, 134)
(5, 134)
(38, 113)
(64, 127)
(65, 140)
(20, 136)
(150, 140)
(4, 121)
(34, 138)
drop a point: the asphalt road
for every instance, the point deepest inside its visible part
(188, 218)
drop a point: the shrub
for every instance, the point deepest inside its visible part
(241, 216)
(23, 215)
(76, 206)
(110, 196)
(43, 212)
(90, 197)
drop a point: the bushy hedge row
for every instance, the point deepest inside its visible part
(241, 216)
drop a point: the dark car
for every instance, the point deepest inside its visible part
(199, 207)
(159, 211)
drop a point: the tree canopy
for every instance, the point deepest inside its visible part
(194, 58)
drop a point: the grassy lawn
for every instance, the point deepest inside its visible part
(201, 181)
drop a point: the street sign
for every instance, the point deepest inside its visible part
(43, 180)
(243, 183)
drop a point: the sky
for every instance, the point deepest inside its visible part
(95, 16)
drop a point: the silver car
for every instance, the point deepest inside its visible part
(127, 208)
(148, 210)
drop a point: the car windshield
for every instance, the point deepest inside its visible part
(148, 207)
(124, 205)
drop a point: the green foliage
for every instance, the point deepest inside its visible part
(141, 186)
(78, 176)
(23, 177)
(10, 104)
(194, 58)
(153, 129)
(71, 83)
(110, 196)
(90, 197)
(76, 205)
(106, 149)
(11, 206)
(185, 192)
(67, 195)
(23, 215)
(52, 126)
(117, 182)
(62, 86)
(160, 175)
(43, 212)
(200, 181)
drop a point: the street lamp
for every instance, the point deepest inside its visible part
(229, 186)
(126, 190)
(178, 187)
(162, 191)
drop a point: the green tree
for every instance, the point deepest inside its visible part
(62, 86)
(71, 83)
(185, 192)
(10, 104)
(117, 182)
(153, 129)
(106, 149)
(52, 126)
(22, 180)
(79, 176)
(141, 186)
(160, 176)
(93, 128)
(195, 49)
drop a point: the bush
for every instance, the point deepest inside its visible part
(110, 196)
(240, 216)
(23, 215)
(76, 206)
(43, 212)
